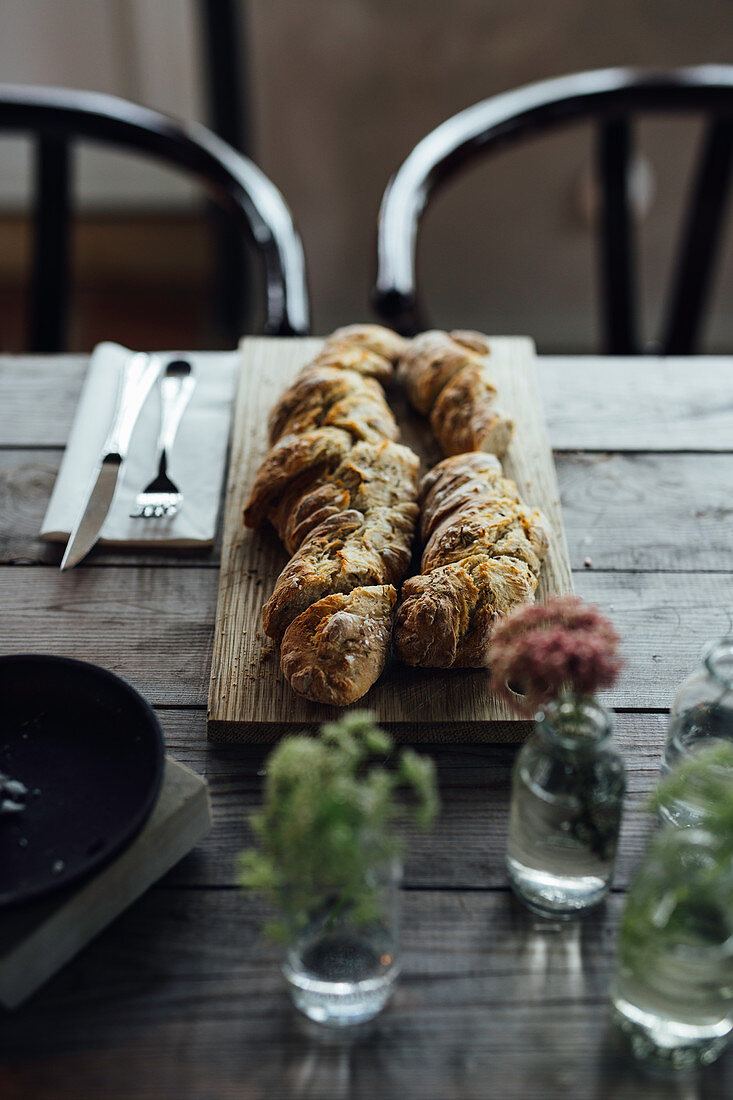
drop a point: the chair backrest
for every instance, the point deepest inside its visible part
(58, 117)
(611, 97)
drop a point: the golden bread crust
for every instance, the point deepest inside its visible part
(342, 495)
(465, 416)
(445, 376)
(334, 651)
(429, 363)
(346, 551)
(376, 338)
(482, 556)
(333, 398)
(294, 460)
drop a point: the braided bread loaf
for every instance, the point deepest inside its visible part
(445, 376)
(342, 495)
(483, 551)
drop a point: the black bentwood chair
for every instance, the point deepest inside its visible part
(57, 117)
(611, 97)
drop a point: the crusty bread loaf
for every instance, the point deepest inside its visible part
(348, 550)
(331, 398)
(446, 378)
(295, 461)
(375, 338)
(482, 556)
(446, 616)
(335, 650)
(342, 495)
(465, 416)
(369, 476)
(448, 486)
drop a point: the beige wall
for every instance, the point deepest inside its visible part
(344, 88)
(341, 91)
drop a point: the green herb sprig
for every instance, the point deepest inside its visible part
(325, 829)
(686, 885)
(706, 777)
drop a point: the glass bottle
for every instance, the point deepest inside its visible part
(567, 795)
(701, 714)
(672, 993)
(342, 959)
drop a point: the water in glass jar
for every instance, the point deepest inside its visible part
(700, 727)
(340, 979)
(675, 1003)
(558, 860)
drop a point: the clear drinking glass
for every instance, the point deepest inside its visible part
(701, 714)
(673, 989)
(567, 796)
(342, 961)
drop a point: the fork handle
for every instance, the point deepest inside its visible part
(176, 388)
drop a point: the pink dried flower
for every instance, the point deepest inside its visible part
(547, 650)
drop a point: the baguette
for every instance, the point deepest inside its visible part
(335, 649)
(342, 494)
(327, 397)
(482, 556)
(348, 550)
(446, 378)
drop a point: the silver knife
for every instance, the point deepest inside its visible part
(136, 381)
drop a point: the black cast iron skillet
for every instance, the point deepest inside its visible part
(89, 750)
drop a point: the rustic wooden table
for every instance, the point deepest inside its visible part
(180, 998)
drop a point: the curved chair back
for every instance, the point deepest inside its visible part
(58, 116)
(611, 97)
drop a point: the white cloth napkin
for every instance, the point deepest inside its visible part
(196, 463)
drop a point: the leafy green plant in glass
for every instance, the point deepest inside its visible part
(673, 988)
(328, 860)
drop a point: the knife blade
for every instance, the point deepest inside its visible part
(136, 380)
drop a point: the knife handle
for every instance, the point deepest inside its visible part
(136, 381)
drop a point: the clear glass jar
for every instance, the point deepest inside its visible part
(342, 959)
(672, 993)
(701, 714)
(568, 786)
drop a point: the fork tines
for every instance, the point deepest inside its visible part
(156, 505)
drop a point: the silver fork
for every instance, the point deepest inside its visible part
(162, 497)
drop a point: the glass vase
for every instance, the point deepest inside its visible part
(342, 959)
(701, 714)
(672, 993)
(567, 795)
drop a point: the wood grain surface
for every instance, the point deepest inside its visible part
(181, 997)
(621, 511)
(155, 626)
(591, 403)
(249, 698)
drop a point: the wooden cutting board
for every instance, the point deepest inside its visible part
(249, 698)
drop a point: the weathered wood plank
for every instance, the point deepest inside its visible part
(38, 396)
(152, 626)
(155, 626)
(664, 621)
(466, 849)
(250, 699)
(643, 404)
(590, 402)
(26, 481)
(642, 511)
(648, 511)
(181, 998)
